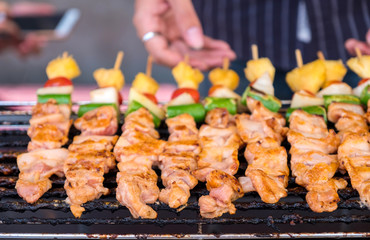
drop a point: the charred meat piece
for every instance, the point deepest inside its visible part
(100, 121)
(223, 190)
(267, 170)
(35, 169)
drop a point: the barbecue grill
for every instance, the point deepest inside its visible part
(105, 218)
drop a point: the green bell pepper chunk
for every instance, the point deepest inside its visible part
(215, 102)
(314, 110)
(91, 106)
(60, 98)
(365, 95)
(270, 102)
(328, 99)
(196, 110)
(134, 106)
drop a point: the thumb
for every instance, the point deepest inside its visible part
(188, 23)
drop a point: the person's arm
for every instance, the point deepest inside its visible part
(351, 44)
(180, 33)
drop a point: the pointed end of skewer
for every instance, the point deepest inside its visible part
(65, 54)
(320, 55)
(298, 56)
(226, 63)
(119, 59)
(254, 52)
(358, 53)
(149, 66)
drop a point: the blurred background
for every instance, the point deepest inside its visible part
(104, 28)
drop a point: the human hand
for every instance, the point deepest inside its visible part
(10, 34)
(351, 45)
(180, 34)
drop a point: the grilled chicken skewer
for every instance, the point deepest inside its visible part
(311, 163)
(36, 168)
(267, 171)
(137, 150)
(218, 162)
(178, 160)
(354, 150)
(49, 125)
(90, 157)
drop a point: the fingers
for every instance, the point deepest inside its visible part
(205, 58)
(159, 49)
(32, 44)
(368, 37)
(351, 44)
(147, 16)
(32, 9)
(188, 23)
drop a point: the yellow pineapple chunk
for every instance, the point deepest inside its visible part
(109, 78)
(64, 66)
(256, 68)
(226, 78)
(186, 76)
(361, 66)
(335, 71)
(309, 77)
(145, 84)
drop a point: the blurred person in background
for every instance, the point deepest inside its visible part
(10, 34)
(209, 30)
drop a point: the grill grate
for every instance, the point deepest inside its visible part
(291, 217)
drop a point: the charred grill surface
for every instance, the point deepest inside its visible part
(289, 215)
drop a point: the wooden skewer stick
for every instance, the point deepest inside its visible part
(358, 53)
(65, 54)
(298, 56)
(149, 66)
(320, 55)
(119, 59)
(186, 58)
(226, 63)
(254, 52)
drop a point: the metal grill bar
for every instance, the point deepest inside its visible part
(285, 219)
(185, 236)
(114, 205)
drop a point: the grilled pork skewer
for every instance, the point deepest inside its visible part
(218, 160)
(90, 157)
(36, 168)
(354, 150)
(311, 163)
(137, 150)
(267, 171)
(49, 125)
(178, 160)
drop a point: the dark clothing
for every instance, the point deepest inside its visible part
(273, 25)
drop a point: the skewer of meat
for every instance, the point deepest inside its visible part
(50, 122)
(137, 150)
(90, 154)
(178, 160)
(49, 127)
(267, 171)
(218, 162)
(312, 162)
(312, 144)
(90, 157)
(350, 120)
